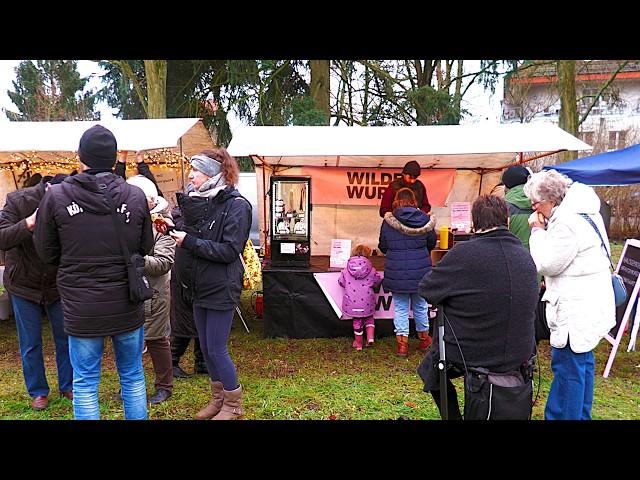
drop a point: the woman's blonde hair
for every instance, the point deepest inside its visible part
(361, 251)
(229, 165)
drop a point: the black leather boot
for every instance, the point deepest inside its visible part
(178, 347)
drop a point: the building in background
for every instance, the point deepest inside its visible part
(531, 95)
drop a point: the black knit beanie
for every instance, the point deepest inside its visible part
(412, 168)
(516, 175)
(98, 148)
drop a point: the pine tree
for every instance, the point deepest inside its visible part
(51, 90)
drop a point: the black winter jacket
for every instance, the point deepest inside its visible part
(489, 290)
(182, 324)
(209, 263)
(25, 274)
(75, 231)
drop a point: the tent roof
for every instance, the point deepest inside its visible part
(620, 167)
(447, 146)
(63, 137)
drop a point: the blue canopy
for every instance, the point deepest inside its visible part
(620, 167)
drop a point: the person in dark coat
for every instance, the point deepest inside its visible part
(487, 288)
(359, 279)
(181, 310)
(183, 328)
(409, 179)
(217, 221)
(32, 285)
(75, 230)
(406, 238)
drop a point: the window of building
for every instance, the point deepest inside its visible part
(587, 137)
(617, 140)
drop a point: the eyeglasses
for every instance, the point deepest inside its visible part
(534, 205)
(412, 177)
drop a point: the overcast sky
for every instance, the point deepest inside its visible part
(483, 107)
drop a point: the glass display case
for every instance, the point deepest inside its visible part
(290, 230)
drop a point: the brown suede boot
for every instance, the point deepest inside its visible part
(425, 340)
(214, 404)
(232, 405)
(403, 345)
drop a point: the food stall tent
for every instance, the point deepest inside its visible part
(294, 304)
(51, 147)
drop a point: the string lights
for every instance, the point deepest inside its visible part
(20, 162)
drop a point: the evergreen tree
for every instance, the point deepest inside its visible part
(51, 90)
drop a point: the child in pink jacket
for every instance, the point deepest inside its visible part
(359, 279)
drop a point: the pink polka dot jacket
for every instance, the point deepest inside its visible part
(359, 279)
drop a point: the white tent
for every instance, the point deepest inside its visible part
(52, 140)
(446, 146)
(478, 152)
(50, 147)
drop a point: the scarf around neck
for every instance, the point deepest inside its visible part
(210, 188)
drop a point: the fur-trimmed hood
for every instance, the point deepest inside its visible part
(428, 222)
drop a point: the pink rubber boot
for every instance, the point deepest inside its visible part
(357, 342)
(370, 334)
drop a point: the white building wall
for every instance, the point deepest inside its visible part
(604, 121)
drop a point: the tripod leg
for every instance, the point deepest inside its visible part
(442, 369)
(242, 318)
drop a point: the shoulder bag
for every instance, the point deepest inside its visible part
(139, 287)
(619, 288)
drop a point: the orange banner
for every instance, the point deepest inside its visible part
(365, 186)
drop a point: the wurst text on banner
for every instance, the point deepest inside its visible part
(365, 186)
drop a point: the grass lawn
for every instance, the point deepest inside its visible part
(307, 379)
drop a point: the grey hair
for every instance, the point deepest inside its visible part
(547, 185)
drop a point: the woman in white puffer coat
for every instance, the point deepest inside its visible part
(580, 303)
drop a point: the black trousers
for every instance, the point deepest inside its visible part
(453, 406)
(179, 345)
(429, 373)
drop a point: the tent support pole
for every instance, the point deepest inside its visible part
(15, 182)
(265, 230)
(525, 160)
(181, 165)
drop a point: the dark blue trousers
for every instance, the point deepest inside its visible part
(213, 328)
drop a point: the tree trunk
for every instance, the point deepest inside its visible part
(568, 105)
(457, 96)
(320, 86)
(156, 73)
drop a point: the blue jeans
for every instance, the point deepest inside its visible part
(29, 324)
(86, 358)
(571, 394)
(401, 312)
